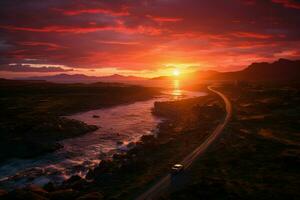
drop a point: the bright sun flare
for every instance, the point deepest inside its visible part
(176, 72)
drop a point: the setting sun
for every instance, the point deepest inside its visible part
(176, 72)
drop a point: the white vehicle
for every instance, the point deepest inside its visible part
(177, 168)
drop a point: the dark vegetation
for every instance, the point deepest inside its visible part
(31, 121)
(127, 174)
(258, 155)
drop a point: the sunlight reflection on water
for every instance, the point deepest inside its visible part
(118, 126)
(176, 92)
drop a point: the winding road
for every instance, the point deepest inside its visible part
(156, 190)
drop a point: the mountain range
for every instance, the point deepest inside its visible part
(280, 70)
(81, 78)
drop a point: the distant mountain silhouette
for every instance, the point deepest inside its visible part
(280, 70)
(81, 78)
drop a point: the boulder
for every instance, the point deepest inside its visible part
(49, 187)
(73, 179)
(148, 139)
(103, 167)
(119, 156)
(76, 183)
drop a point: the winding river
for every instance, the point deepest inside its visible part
(118, 127)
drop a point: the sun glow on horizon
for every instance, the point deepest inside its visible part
(176, 72)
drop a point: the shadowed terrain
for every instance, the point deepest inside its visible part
(258, 154)
(32, 112)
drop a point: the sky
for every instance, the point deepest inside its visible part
(144, 37)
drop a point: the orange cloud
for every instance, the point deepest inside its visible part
(164, 19)
(118, 42)
(71, 29)
(145, 35)
(252, 35)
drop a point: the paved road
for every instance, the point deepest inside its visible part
(155, 191)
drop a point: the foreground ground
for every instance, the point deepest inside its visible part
(258, 155)
(127, 175)
(30, 119)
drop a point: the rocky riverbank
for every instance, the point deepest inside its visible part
(126, 174)
(31, 122)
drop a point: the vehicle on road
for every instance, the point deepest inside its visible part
(155, 191)
(177, 168)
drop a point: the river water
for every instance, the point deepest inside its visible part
(118, 127)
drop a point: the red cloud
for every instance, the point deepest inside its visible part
(164, 19)
(147, 34)
(93, 11)
(252, 35)
(117, 42)
(48, 44)
(59, 29)
(288, 3)
(148, 30)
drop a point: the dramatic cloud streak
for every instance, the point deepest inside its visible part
(93, 11)
(148, 35)
(28, 68)
(288, 3)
